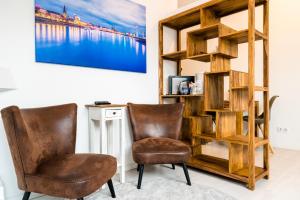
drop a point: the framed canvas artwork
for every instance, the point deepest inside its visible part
(107, 34)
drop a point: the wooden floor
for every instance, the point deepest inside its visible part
(284, 182)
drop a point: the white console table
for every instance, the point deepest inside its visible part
(102, 141)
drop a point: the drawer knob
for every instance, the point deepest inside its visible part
(114, 113)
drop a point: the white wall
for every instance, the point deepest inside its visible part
(45, 84)
(185, 2)
(284, 65)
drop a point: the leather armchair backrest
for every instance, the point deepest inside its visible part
(39, 134)
(162, 120)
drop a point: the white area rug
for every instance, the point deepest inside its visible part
(162, 189)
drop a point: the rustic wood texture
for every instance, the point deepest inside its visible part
(239, 123)
(194, 106)
(223, 8)
(202, 110)
(228, 47)
(225, 124)
(251, 84)
(208, 17)
(220, 8)
(161, 62)
(214, 91)
(237, 157)
(196, 45)
(179, 69)
(175, 56)
(266, 85)
(183, 20)
(219, 63)
(242, 36)
(195, 125)
(181, 96)
(207, 57)
(238, 97)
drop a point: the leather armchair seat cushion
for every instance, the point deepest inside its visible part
(73, 175)
(160, 151)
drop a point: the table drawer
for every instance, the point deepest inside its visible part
(113, 113)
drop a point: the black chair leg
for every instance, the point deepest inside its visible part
(186, 173)
(141, 171)
(111, 188)
(80, 198)
(173, 166)
(138, 168)
(26, 195)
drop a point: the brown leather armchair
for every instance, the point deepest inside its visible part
(156, 130)
(42, 143)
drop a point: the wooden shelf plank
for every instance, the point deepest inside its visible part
(178, 96)
(175, 56)
(227, 7)
(207, 57)
(221, 8)
(206, 136)
(208, 32)
(244, 140)
(183, 20)
(242, 36)
(197, 116)
(245, 172)
(218, 110)
(214, 165)
(257, 88)
(262, 89)
(237, 139)
(202, 57)
(226, 72)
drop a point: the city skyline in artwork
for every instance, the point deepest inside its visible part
(91, 33)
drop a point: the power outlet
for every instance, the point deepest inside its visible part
(282, 130)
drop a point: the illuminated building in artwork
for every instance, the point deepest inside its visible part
(65, 12)
(76, 19)
(50, 17)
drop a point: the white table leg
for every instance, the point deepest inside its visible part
(122, 174)
(103, 137)
(95, 136)
(103, 140)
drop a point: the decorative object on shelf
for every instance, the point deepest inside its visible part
(99, 34)
(6, 80)
(199, 83)
(175, 82)
(184, 88)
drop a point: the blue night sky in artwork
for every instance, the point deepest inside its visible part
(123, 15)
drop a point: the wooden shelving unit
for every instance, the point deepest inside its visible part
(203, 111)
(178, 96)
